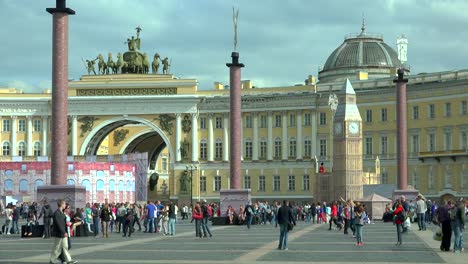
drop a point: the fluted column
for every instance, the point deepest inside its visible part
(14, 126)
(178, 135)
(314, 134)
(29, 144)
(299, 143)
(74, 133)
(255, 137)
(226, 137)
(45, 121)
(284, 141)
(270, 136)
(195, 137)
(210, 138)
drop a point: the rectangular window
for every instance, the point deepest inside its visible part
(431, 142)
(323, 118)
(463, 108)
(248, 149)
(219, 122)
(202, 122)
(6, 125)
(164, 164)
(202, 183)
(277, 149)
(248, 121)
(217, 183)
(369, 146)
(448, 141)
(415, 144)
(415, 112)
(219, 150)
(431, 111)
(292, 120)
(203, 150)
(384, 177)
(37, 125)
(323, 148)
(291, 183)
(292, 148)
(464, 140)
(263, 121)
(306, 183)
(261, 183)
(263, 149)
(307, 148)
(247, 182)
(307, 119)
(276, 183)
(21, 125)
(368, 115)
(384, 145)
(448, 109)
(383, 114)
(277, 120)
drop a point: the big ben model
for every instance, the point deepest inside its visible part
(347, 146)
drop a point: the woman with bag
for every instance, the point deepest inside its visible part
(197, 215)
(105, 219)
(398, 220)
(359, 215)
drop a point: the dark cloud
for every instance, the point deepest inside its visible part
(281, 42)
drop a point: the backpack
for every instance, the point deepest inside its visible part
(402, 215)
(209, 210)
(47, 212)
(453, 213)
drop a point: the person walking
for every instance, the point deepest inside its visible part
(443, 218)
(197, 215)
(95, 215)
(398, 220)
(421, 209)
(47, 213)
(285, 218)
(359, 216)
(458, 226)
(61, 236)
(127, 221)
(105, 216)
(172, 218)
(207, 213)
(248, 214)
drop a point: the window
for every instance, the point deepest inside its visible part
(203, 149)
(219, 149)
(306, 182)
(21, 125)
(415, 112)
(202, 122)
(247, 182)
(368, 115)
(6, 149)
(277, 148)
(276, 183)
(6, 125)
(415, 144)
(323, 148)
(323, 118)
(292, 120)
(263, 121)
(217, 183)
(21, 149)
(202, 183)
(383, 112)
(263, 148)
(248, 148)
(277, 120)
(37, 125)
(384, 176)
(292, 147)
(164, 164)
(219, 122)
(307, 147)
(448, 109)
(369, 146)
(248, 121)
(448, 141)
(307, 119)
(37, 149)
(464, 140)
(431, 111)
(384, 145)
(261, 183)
(463, 108)
(431, 142)
(291, 183)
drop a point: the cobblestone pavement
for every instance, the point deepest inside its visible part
(237, 244)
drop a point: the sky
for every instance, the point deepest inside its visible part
(280, 42)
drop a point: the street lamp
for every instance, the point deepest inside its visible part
(190, 168)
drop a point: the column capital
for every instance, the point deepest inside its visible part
(255, 113)
(300, 111)
(270, 113)
(178, 115)
(195, 115)
(284, 112)
(210, 115)
(45, 116)
(29, 117)
(73, 117)
(13, 117)
(226, 114)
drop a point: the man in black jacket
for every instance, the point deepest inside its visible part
(61, 235)
(285, 217)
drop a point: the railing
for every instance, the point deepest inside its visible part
(443, 152)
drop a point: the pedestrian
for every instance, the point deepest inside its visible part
(197, 215)
(61, 235)
(458, 225)
(172, 218)
(47, 213)
(359, 216)
(443, 219)
(285, 219)
(128, 221)
(248, 214)
(95, 213)
(207, 213)
(421, 209)
(105, 216)
(8, 219)
(398, 220)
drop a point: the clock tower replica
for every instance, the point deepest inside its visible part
(347, 175)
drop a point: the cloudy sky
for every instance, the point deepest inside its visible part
(280, 42)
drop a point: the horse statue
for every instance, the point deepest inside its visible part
(166, 65)
(101, 64)
(111, 65)
(121, 65)
(155, 64)
(138, 65)
(146, 63)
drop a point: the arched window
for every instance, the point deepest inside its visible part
(8, 187)
(203, 149)
(6, 148)
(277, 148)
(100, 174)
(87, 184)
(21, 148)
(292, 147)
(129, 186)
(23, 186)
(99, 185)
(112, 185)
(37, 148)
(133, 186)
(248, 148)
(121, 186)
(70, 182)
(219, 149)
(38, 183)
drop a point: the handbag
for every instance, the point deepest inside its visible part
(438, 234)
(290, 226)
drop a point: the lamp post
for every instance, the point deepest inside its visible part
(190, 168)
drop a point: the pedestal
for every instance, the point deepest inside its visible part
(234, 198)
(409, 194)
(74, 195)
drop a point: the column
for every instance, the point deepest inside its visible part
(299, 143)
(284, 140)
(29, 144)
(402, 135)
(255, 137)
(270, 136)
(14, 127)
(74, 136)
(44, 122)
(177, 136)
(226, 137)
(314, 134)
(195, 137)
(210, 138)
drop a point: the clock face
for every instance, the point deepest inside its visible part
(354, 127)
(338, 128)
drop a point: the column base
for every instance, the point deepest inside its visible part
(74, 195)
(234, 198)
(409, 194)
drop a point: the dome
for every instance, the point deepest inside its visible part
(360, 53)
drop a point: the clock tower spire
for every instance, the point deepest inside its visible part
(347, 146)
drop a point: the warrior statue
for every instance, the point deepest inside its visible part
(90, 66)
(132, 46)
(166, 65)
